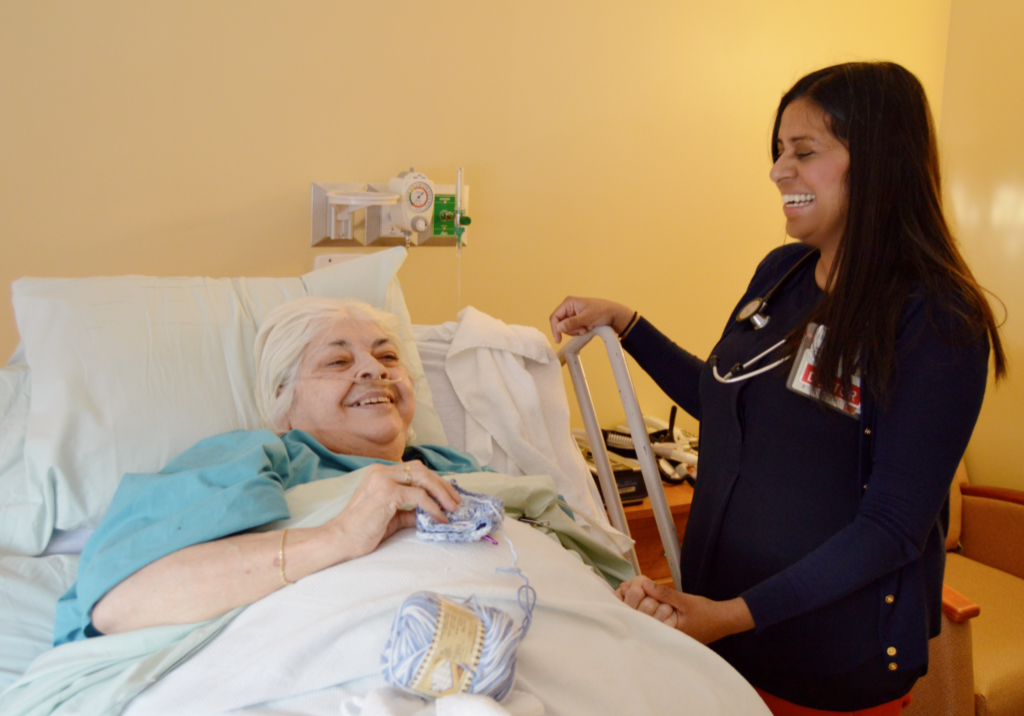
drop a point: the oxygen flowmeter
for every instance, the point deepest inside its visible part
(409, 210)
(414, 210)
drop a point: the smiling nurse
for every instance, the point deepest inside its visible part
(814, 551)
(810, 171)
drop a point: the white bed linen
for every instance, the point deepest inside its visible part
(586, 653)
(391, 701)
(29, 590)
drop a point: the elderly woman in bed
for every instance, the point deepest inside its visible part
(175, 547)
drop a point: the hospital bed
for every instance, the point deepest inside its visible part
(119, 374)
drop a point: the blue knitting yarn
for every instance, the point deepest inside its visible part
(413, 630)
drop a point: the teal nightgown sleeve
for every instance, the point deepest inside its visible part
(223, 485)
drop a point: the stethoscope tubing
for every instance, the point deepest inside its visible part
(730, 378)
(762, 304)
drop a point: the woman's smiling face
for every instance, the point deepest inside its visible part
(352, 393)
(811, 175)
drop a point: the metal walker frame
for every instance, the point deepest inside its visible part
(569, 355)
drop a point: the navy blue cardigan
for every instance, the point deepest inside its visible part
(830, 528)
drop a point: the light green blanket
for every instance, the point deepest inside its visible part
(101, 675)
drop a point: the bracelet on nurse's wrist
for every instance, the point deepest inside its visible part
(629, 326)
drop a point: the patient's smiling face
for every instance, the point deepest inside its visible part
(353, 395)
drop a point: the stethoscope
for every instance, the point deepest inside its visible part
(753, 311)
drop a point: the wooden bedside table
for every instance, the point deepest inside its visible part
(642, 528)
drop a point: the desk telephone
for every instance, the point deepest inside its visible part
(675, 448)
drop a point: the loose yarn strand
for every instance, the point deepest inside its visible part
(526, 595)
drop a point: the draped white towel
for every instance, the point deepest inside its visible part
(517, 415)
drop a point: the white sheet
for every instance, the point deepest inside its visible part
(29, 590)
(586, 653)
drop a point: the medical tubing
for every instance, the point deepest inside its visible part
(359, 381)
(620, 441)
(745, 376)
(729, 378)
(669, 450)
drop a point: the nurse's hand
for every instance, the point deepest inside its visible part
(703, 619)
(575, 316)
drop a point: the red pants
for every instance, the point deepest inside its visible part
(781, 707)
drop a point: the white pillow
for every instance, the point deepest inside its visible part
(127, 372)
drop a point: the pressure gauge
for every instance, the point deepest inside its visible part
(420, 196)
(416, 207)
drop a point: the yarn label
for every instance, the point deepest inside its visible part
(454, 653)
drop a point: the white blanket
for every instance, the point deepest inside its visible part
(315, 647)
(586, 653)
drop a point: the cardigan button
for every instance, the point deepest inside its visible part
(889, 599)
(892, 666)
(891, 651)
(867, 431)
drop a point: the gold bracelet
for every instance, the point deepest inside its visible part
(280, 559)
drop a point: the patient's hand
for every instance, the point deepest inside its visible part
(632, 594)
(703, 619)
(375, 510)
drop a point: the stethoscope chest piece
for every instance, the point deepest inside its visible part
(752, 312)
(749, 309)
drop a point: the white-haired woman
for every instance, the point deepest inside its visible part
(177, 547)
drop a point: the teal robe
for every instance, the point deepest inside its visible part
(221, 486)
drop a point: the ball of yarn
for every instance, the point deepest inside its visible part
(413, 631)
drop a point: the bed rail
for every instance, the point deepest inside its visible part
(569, 355)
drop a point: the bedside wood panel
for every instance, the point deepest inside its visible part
(644, 530)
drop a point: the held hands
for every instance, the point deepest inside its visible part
(703, 619)
(380, 506)
(575, 316)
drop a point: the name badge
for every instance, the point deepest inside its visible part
(801, 376)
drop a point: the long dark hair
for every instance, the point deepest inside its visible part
(896, 238)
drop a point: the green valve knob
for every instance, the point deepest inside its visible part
(465, 220)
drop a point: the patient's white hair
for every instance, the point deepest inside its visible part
(282, 340)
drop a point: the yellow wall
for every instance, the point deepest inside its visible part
(616, 149)
(984, 157)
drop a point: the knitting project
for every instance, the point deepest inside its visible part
(475, 517)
